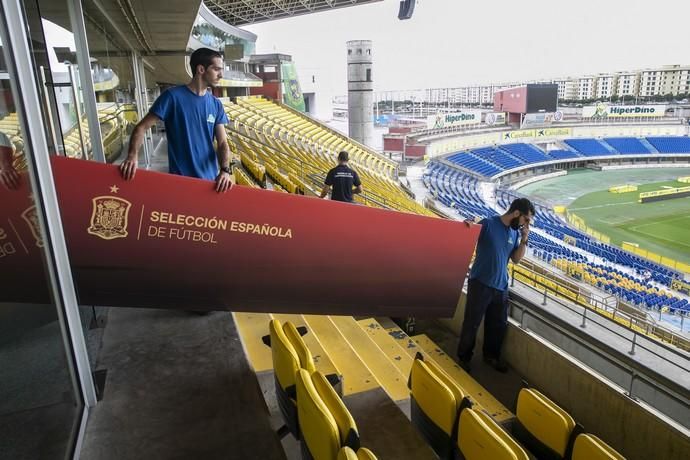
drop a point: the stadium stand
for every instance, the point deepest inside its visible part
(499, 157)
(670, 144)
(627, 145)
(526, 152)
(489, 161)
(475, 164)
(295, 152)
(590, 147)
(458, 190)
(563, 154)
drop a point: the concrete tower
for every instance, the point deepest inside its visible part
(360, 91)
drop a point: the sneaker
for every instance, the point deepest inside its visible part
(497, 364)
(465, 365)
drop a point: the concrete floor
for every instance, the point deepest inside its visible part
(178, 387)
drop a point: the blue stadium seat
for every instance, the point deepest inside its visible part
(627, 145)
(526, 152)
(670, 144)
(563, 154)
(589, 147)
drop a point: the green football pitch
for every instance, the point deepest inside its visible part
(662, 227)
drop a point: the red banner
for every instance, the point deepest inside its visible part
(173, 242)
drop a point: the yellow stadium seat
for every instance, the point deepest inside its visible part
(347, 428)
(306, 360)
(435, 401)
(346, 454)
(325, 423)
(543, 427)
(480, 438)
(320, 437)
(286, 362)
(589, 447)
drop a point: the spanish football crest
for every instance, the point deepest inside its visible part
(109, 217)
(31, 218)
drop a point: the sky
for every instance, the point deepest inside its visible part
(450, 43)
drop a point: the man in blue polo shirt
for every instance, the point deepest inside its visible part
(192, 117)
(501, 237)
(342, 181)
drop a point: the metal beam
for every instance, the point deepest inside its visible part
(57, 266)
(101, 9)
(76, 16)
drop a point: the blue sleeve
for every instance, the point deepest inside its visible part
(221, 117)
(329, 178)
(162, 107)
(356, 180)
(517, 242)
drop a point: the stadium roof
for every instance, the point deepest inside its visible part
(160, 29)
(243, 12)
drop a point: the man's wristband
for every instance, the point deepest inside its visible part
(226, 169)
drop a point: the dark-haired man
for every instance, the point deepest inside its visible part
(342, 181)
(192, 117)
(502, 237)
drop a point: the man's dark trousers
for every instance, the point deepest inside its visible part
(483, 299)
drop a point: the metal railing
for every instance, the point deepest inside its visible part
(638, 342)
(635, 371)
(603, 309)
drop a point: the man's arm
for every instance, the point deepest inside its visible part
(224, 179)
(128, 168)
(519, 252)
(357, 184)
(9, 177)
(325, 190)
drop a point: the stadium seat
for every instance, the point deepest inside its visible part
(544, 428)
(670, 144)
(590, 147)
(306, 361)
(435, 403)
(286, 362)
(480, 438)
(325, 423)
(589, 447)
(363, 453)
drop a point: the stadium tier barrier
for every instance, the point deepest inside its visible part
(667, 261)
(579, 223)
(684, 179)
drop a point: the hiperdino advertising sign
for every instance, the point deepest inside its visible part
(600, 111)
(446, 120)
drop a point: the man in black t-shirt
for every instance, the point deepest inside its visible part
(342, 180)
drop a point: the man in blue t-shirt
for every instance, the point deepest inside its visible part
(501, 237)
(342, 181)
(192, 117)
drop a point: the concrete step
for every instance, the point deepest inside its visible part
(356, 375)
(251, 327)
(385, 372)
(477, 392)
(388, 345)
(406, 344)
